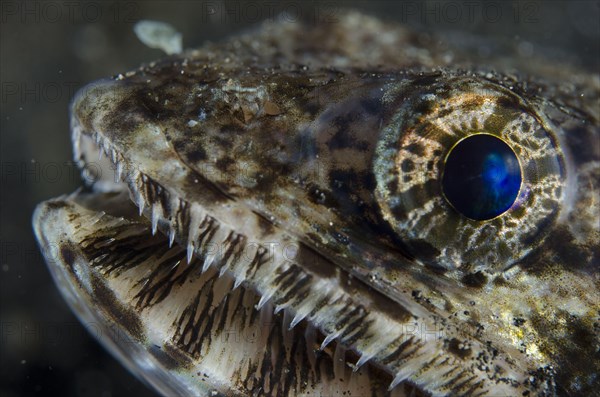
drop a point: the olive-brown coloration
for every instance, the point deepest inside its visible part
(300, 170)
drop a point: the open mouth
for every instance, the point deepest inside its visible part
(207, 310)
(288, 213)
(197, 290)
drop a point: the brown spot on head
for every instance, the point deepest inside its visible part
(192, 150)
(407, 165)
(224, 163)
(321, 196)
(311, 260)
(265, 225)
(424, 251)
(427, 80)
(475, 280)
(271, 108)
(510, 102)
(459, 348)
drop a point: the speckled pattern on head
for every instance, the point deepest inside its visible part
(293, 236)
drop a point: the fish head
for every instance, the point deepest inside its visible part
(316, 175)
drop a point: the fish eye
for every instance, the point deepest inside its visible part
(470, 175)
(481, 177)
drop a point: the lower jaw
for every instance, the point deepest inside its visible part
(178, 328)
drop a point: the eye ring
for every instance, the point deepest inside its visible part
(494, 172)
(410, 153)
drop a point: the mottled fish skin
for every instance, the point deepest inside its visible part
(331, 140)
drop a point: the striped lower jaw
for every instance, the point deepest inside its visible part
(183, 328)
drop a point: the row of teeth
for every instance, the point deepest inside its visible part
(427, 363)
(157, 215)
(105, 263)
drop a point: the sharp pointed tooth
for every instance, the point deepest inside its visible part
(97, 138)
(297, 318)
(238, 281)
(100, 153)
(97, 217)
(222, 270)
(327, 340)
(141, 204)
(399, 378)
(190, 252)
(278, 308)
(263, 299)
(206, 264)
(119, 170)
(193, 233)
(171, 236)
(287, 319)
(154, 218)
(138, 198)
(362, 360)
(411, 367)
(113, 155)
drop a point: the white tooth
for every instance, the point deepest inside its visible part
(287, 319)
(193, 231)
(222, 270)
(76, 142)
(100, 153)
(97, 217)
(97, 138)
(206, 264)
(328, 340)
(399, 378)
(238, 281)
(171, 236)
(190, 252)
(410, 367)
(263, 299)
(155, 217)
(363, 359)
(141, 204)
(113, 155)
(297, 318)
(119, 170)
(278, 308)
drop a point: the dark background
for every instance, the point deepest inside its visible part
(49, 49)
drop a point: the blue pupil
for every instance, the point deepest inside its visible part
(482, 177)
